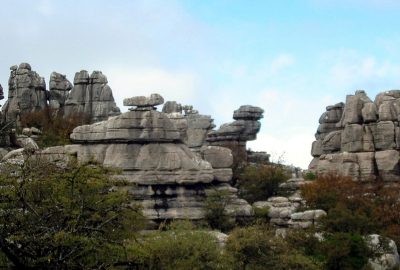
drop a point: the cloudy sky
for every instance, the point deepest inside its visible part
(290, 57)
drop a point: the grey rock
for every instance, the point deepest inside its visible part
(248, 112)
(384, 135)
(369, 112)
(316, 148)
(388, 165)
(142, 101)
(172, 107)
(351, 138)
(331, 142)
(389, 258)
(219, 157)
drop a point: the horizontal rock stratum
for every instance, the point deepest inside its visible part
(360, 138)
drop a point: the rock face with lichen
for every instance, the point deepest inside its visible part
(168, 178)
(360, 138)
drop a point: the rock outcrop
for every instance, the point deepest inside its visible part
(234, 135)
(1, 92)
(360, 138)
(169, 179)
(27, 92)
(91, 96)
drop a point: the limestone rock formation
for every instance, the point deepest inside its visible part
(59, 90)
(192, 126)
(27, 92)
(91, 96)
(234, 135)
(164, 175)
(360, 138)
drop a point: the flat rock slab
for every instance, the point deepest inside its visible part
(142, 101)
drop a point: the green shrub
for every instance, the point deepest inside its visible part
(179, 247)
(215, 212)
(309, 175)
(259, 182)
(261, 213)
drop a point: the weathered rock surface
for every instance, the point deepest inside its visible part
(360, 138)
(169, 179)
(91, 96)
(234, 135)
(1, 92)
(59, 90)
(390, 256)
(27, 92)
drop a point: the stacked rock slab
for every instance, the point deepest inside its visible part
(27, 92)
(91, 96)
(162, 173)
(360, 138)
(234, 135)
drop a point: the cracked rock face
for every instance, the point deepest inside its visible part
(91, 96)
(27, 92)
(169, 179)
(360, 138)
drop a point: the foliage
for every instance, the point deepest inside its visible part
(309, 175)
(259, 182)
(261, 213)
(354, 207)
(215, 210)
(70, 217)
(54, 126)
(257, 247)
(179, 247)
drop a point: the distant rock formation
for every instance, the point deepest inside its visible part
(27, 92)
(1, 92)
(168, 178)
(90, 96)
(360, 138)
(235, 135)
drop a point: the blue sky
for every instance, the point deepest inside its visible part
(292, 58)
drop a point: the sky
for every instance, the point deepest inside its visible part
(292, 58)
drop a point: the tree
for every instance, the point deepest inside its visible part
(71, 217)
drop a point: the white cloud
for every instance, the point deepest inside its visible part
(172, 85)
(45, 7)
(281, 62)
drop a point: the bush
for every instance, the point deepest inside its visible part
(215, 212)
(179, 247)
(259, 182)
(257, 247)
(64, 217)
(55, 128)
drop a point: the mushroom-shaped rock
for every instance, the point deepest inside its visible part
(142, 101)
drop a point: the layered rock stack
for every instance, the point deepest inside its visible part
(91, 96)
(162, 172)
(360, 138)
(192, 126)
(234, 135)
(27, 92)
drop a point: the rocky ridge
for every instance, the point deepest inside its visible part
(360, 138)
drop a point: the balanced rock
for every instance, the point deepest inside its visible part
(234, 135)
(142, 101)
(360, 138)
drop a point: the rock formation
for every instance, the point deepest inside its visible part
(360, 138)
(235, 135)
(1, 92)
(192, 126)
(59, 90)
(164, 175)
(91, 96)
(27, 92)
